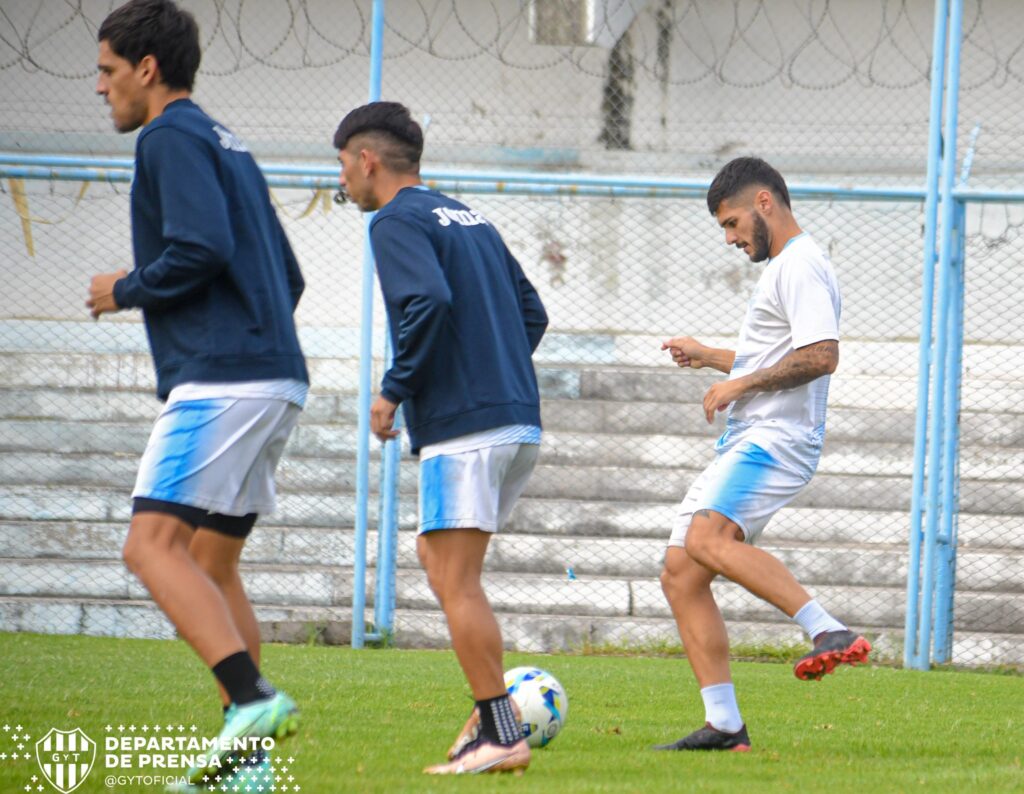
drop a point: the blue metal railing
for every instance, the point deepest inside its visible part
(931, 213)
(359, 633)
(939, 447)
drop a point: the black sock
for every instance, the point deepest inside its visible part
(243, 682)
(498, 722)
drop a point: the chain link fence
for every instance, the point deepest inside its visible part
(989, 598)
(988, 614)
(830, 92)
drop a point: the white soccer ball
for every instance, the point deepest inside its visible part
(542, 703)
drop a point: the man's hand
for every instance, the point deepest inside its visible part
(686, 351)
(718, 397)
(382, 419)
(101, 293)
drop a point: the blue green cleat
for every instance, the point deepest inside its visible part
(275, 718)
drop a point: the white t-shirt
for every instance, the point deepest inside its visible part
(796, 303)
(294, 391)
(483, 439)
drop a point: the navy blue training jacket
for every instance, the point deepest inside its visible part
(464, 319)
(214, 274)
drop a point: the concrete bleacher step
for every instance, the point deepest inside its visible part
(112, 405)
(821, 561)
(850, 387)
(129, 371)
(71, 517)
(844, 423)
(528, 632)
(524, 631)
(624, 438)
(655, 468)
(552, 633)
(124, 334)
(673, 418)
(82, 503)
(825, 490)
(323, 475)
(117, 471)
(534, 515)
(867, 585)
(665, 384)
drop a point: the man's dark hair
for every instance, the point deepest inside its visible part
(396, 137)
(743, 172)
(158, 28)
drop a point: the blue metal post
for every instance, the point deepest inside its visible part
(946, 578)
(927, 304)
(387, 527)
(937, 418)
(365, 373)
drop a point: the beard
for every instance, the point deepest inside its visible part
(760, 243)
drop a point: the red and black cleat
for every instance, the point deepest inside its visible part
(831, 648)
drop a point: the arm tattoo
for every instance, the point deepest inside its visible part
(797, 367)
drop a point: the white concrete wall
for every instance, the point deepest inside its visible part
(830, 93)
(839, 87)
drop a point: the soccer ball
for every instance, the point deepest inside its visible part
(542, 703)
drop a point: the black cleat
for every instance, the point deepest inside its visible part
(831, 648)
(708, 738)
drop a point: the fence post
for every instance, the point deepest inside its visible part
(359, 635)
(387, 525)
(931, 209)
(947, 538)
(938, 417)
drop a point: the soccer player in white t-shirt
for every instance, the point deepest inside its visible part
(775, 394)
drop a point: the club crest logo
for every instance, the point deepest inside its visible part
(65, 758)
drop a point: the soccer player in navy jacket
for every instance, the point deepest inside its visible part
(217, 283)
(464, 321)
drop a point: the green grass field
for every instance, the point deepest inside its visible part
(372, 719)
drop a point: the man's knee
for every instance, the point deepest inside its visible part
(133, 552)
(700, 546)
(422, 553)
(680, 574)
(671, 572)
(434, 578)
(151, 537)
(436, 583)
(217, 555)
(222, 571)
(709, 536)
(451, 586)
(141, 545)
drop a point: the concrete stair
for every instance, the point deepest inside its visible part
(622, 443)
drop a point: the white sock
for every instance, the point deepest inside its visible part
(813, 619)
(720, 707)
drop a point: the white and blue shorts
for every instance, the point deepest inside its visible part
(746, 484)
(217, 454)
(473, 489)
